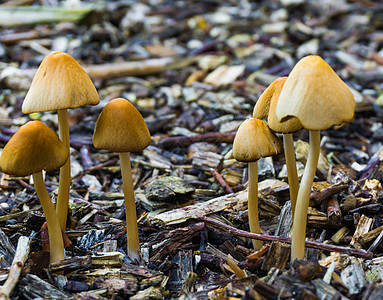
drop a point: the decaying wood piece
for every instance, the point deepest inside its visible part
(207, 160)
(71, 264)
(198, 210)
(125, 288)
(149, 293)
(6, 249)
(285, 221)
(326, 292)
(317, 197)
(166, 242)
(21, 256)
(168, 187)
(237, 202)
(139, 271)
(297, 288)
(334, 213)
(363, 227)
(111, 259)
(340, 234)
(268, 291)
(353, 277)
(318, 219)
(263, 237)
(183, 265)
(33, 287)
(376, 243)
(369, 236)
(277, 256)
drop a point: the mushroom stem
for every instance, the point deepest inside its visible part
(300, 217)
(64, 183)
(130, 207)
(253, 203)
(56, 243)
(288, 144)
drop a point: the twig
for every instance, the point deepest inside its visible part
(263, 237)
(319, 196)
(221, 181)
(210, 137)
(22, 252)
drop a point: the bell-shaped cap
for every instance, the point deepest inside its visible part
(121, 128)
(315, 95)
(267, 105)
(33, 148)
(59, 83)
(254, 140)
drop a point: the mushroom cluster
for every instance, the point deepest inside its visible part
(316, 96)
(60, 84)
(312, 97)
(32, 149)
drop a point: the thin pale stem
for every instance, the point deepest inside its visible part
(300, 218)
(292, 173)
(253, 203)
(56, 243)
(130, 207)
(64, 183)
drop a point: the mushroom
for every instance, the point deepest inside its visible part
(60, 83)
(121, 128)
(33, 148)
(253, 141)
(266, 107)
(318, 98)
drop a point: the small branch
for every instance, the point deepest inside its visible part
(318, 197)
(22, 252)
(221, 181)
(263, 237)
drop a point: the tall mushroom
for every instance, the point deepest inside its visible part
(253, 141)
(33, 148)
(60, 83)
(318, 98)
(266, 107)
(121, 128)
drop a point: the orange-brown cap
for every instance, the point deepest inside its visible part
(267, 105)
(121, 128)
(33, 148)
(60, 83)
(315, 95)
(254, 140)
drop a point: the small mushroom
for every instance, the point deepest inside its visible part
(60, 83)
(318, 98)
(254, 140)
(266, 107)
(33, 148)
(121, 128)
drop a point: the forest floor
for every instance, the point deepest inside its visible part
(195, 69)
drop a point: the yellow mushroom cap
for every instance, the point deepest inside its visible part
(267, 105)
(60, 83)
(121, 128)
(254, 140)
(315, 95)
(33, 148)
